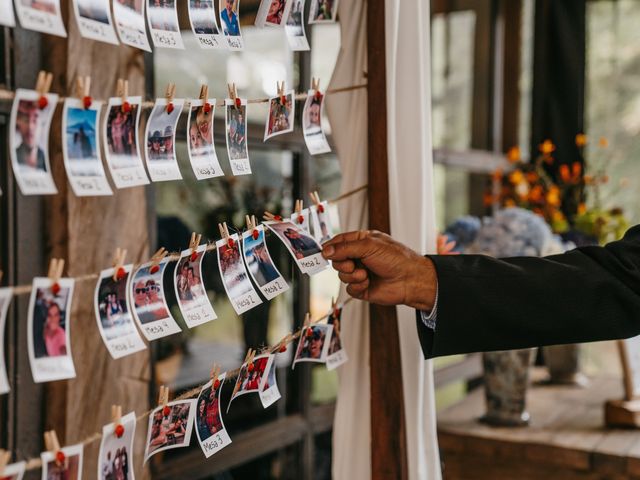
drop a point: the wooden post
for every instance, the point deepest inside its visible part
(388, 435)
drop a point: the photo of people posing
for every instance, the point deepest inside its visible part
(323, 11)
(281, 115)
(270, 393)
(202, 152)
(96, 10)
(70, 469)
(252, 381)
(235, 278)
(212, 435)
(203, 17)
(160, 136)
(229, 17)
(121, 127)
(48, 330)
(260, 264)
(94, 20)
(171, 430)
(322, 225)
(29, 142)
(314, 136)
(115, 459)
(237, 132)
(336, 355)
(302, 246)
(275, 14)
(41, 16)
(189, 286)
(163, 23)
(313, 344)
(129, 19)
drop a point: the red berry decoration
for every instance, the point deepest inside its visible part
(43, 102)
(283, 348)
(126, 107)
(55, 288)
(121, 273)
(207, 107)
(154, 269)
(86, 101)
(166, 411)
(216, 384)
(119, 430)
(60, 457)
(238, 102)
(321, 208)
(170, 108)
(255, 234)
(309, 332)
(250, 367)
(231, 242)
(194, 256)
(300, 219)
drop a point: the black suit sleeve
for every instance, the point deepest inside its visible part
(484, 304)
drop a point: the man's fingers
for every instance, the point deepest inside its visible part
(358, 290)
(345, 266)
(342, 251)
(347, 237)
(358, 276)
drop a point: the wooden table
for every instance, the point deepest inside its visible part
(565, 440)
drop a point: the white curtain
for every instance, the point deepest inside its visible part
(412, 221)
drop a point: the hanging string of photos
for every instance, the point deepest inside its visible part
(83, 132)
(127, 295)
(127, 24)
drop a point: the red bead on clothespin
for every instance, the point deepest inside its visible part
(119, 271)
(214, 374)
(156, 259)
(116, 419)
(204, 96)
(163, 400)
(169, 94)
(282, 346)
(123, 93)
(315, 198)
(334, 308)
(224, 233)
(248, 360)
(315, 86)
(5, 458)
(56, 267)
(281, 92)
(43, 85)
(298, 210)
(194, 243)
(253, 226)
(83, 87)
(307, 325)
(270, 217)
(233, 95)
(52, 445)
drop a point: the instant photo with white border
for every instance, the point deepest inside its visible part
(83, 163)
(32, 180)
(220, 438)
(5, 300)
(296, 35)
(269, 281)
(312, 130)
(14, 471)
(163, 166)
(46, 19)
(244, 374)
(272, 127)
(198, 309)
(131, 26)
(309, 263)
(338, 356)
(204, 25)
(7, 15)
(164, 26)
(270, 392)
(326, 329)
(146, 318)
(264, 17)
(127, 169)
(69, 452)
(233, 32)
(187, 428)
(315, 8)
(46, 365)
(121, 338)
(305, 225)
(94, 20)
(239, 161)
(111, 443)
(203, 158)
(322, 223)
(242, 295)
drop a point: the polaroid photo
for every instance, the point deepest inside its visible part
(230, 23)
(323, 11)
(14, 471)
(70, 469)
(150, 308)
(5, 300)
(81, 149)
(260, 264)
(41, 15)
(113, 314)
(322, 224)
(336, 355)
(306, 224)
(170, 431)
(129, 20)
(242, 295)
(273, 13)
(236, 128)
(192, 297)
(94, 20)
(312, 131)
(303, 247)
(212, 435)
(29, 127)
(270, 393)
(120, 136)
(252, 381)
(296, 36)
(281, 115)
(7, 15)
(202, 151)
(160, 136)
(115, 460)
(48, 330)
(163, 24)
(204, 24)
(313, 344)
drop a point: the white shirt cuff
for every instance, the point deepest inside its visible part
(429, 318)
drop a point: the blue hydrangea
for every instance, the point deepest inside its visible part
(463, 231)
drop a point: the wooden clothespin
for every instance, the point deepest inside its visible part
(298, 210)
(123, 93)
(163, 400)
(5, 458)
(315, 198)
(116, 419)
(156, 259)
(169, 94)
(282, 346)
(252, 225)
(224, 233)
(118, 264)
(204, 96)
(43, 85)
(214, 374)
(193, 245)
(281, 94)
(315, 86)
(270, 217)
(248, 359)
(335, 310)
(56, 267)
(83, 87)
(51, 444)
(233, 94)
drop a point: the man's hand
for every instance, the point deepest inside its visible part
(380, 270)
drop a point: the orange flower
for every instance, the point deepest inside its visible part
(509, 202)
(532, 177)
(487, 199)
(547, 147)
(445, 247)
(497, 175)
(516, 177)
(538, 211)
(576, 170)
(513, 155)
(565, 176)
(582, 209)
(557, 216)
(553, 196)
(603, 142)
(581, 140)
(535, 195)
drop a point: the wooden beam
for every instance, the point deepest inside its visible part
(388, 436)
